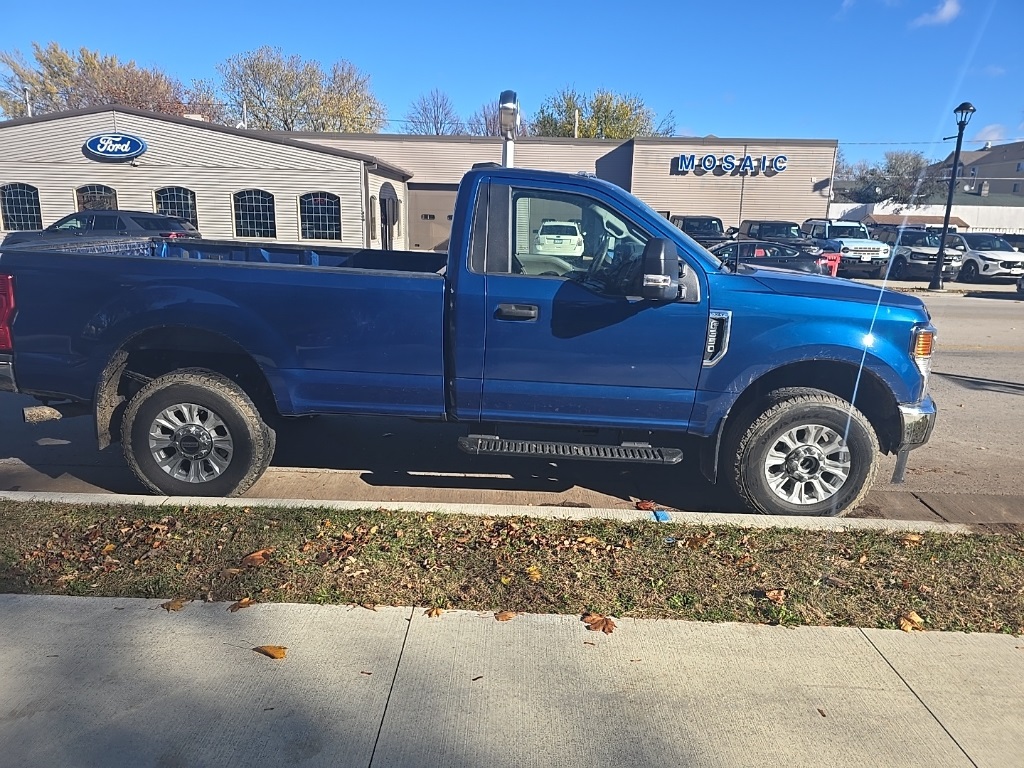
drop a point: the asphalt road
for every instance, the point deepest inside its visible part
(978, 382)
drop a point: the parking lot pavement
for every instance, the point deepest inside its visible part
(392, 687)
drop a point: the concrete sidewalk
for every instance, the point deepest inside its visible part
(119, 682)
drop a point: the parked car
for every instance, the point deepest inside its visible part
(1015, 239)
(786, 232)
(985, 256)
(108, 224)
(189, 354)
(767, 254)
(914, 253)
(559, 238)
(860, 254)
(706, 230)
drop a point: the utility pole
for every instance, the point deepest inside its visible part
(576, 125)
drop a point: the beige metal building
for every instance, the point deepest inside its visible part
(375, 190)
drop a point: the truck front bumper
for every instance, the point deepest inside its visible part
(7, 374)
(917, 422)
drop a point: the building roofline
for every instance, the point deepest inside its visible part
(274, 137)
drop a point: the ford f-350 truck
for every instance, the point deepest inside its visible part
(188, 352)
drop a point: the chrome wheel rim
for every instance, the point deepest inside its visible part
(807, 464)
(191, 443)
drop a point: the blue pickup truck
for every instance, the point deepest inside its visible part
(188, 352)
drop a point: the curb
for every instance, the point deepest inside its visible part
(838, 524)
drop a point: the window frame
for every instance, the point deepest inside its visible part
(191, 197)
(93, 189)
(29, 194)
(235, 219)
(331, 196)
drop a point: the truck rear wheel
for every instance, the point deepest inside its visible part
(806, 452)
(195, 433)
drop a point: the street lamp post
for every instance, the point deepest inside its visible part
(963, 117)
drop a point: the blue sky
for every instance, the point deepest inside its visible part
(875, 74)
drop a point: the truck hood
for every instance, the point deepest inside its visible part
(859, 242)
(823, 287)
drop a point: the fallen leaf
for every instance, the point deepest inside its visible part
(108, 549)
(259, 557)
(478, 677)
(835, 581)
(912, 539)
(533, 572)
(368, 606)
(506, 580)
(230, 571)
(366, 673)
(272, 651)
(433, 612)
(505, 615)
(696, 542)
(821, 712)
(174, 605)
(777, 596)
(589, 540)
(910, 621)
(646, 505)
(588, 642)
(158, 528)
(598, 623)
(863, 559)
(245, 602)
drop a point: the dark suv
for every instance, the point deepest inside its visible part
(776, 231)
(706, 230)
(103, 224)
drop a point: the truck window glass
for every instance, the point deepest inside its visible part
(558, 234)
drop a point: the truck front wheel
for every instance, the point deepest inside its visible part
(195, 433)
(806, 452)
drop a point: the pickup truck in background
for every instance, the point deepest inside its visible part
(706, 230)
(188, 351)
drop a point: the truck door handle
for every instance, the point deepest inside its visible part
(516, 312)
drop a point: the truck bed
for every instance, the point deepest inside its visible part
(246, 252)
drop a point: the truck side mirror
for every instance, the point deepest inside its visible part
(661, 271)
(731, 231)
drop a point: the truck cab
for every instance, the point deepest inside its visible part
(860, 253)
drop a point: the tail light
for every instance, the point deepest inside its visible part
(6, 312)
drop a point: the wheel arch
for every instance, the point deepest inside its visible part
(861, 386)
(159, 350)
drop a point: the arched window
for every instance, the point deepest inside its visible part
(320, 216)
(374, 211)
(19, 207)
(96, 197)
(177, 201)
(254, 214)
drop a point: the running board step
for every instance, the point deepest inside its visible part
(642, 454)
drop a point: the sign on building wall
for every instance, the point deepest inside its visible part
(735, 164)
(113, 147)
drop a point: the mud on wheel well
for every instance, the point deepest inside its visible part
(153, 353)
(874, 398)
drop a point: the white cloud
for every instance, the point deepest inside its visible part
(944, 13)
(993, 132)
(994, 70)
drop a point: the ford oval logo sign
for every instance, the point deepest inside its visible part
(114, 146)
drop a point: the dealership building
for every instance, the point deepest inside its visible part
(367, 190)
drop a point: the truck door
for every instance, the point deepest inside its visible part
(565, 341)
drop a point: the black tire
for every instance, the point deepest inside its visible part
(759, 429)
(899, 269)
(252, 441)
(968, 273)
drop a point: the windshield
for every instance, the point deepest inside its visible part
(929, 239)
(780, 229)
(987, 243)
(703, 226)
(849, 231)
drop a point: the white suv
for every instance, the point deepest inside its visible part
(559, 238)
(860, 253)
(985, 256)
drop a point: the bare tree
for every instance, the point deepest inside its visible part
(485, 121)
(433, 114)
(288, 93)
